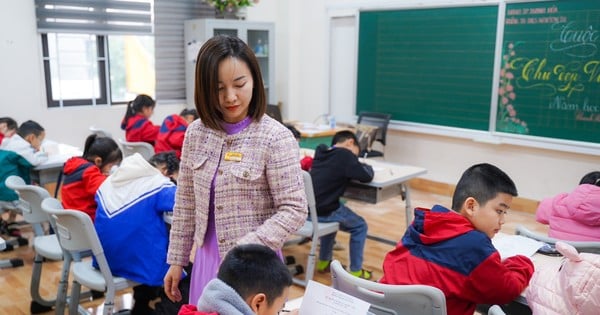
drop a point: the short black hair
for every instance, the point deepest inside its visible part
(592, 178)
(169, 158)
(189, 111)
(253, 268)
(482, 182)
(342, 136)
(30, 127)
(11, 124)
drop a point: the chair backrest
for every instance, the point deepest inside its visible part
(582, 247)
(143, 148)
(31, 198)
(379, 120)
(100, 132)
(496, 310)
(76, 233)
(386, 299)
(310, 196)
(274, 112)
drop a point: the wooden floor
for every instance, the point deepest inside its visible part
(386, 219)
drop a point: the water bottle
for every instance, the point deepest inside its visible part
(331, 122)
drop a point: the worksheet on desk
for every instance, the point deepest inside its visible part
(512, 245)
(323, 300)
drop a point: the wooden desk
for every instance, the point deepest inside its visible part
(390, 180)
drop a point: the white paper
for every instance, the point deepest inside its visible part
(323, 300)
(512, 245)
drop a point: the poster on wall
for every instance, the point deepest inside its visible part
(550, 72)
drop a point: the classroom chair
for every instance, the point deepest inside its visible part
(274, 112)
(379, 120)
(312, 229)
(45, 245)
(143, 148)
(386, 299)
(77, 235)
(496, 310)
(100, 132)
(582, 247)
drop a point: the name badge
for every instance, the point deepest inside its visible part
(233, 156)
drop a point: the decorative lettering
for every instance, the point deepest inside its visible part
(570, 38)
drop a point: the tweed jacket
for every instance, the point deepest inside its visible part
(258, 199)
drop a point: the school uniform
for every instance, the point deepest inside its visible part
(140, 129)
(171, 134)
(574, 216)
(12, 164)
(129, 220)
(80, 183)
(23, 148)
(441, 248)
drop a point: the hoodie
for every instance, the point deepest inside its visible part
(80, 183)
(441, 248)
(171, 134)
(574, 216)
(23, 148)
(129, 220)
(332, 169)
(140, 129)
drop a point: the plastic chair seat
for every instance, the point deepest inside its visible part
(92, 278)
(48, 247)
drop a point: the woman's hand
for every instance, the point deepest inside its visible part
(171, 283)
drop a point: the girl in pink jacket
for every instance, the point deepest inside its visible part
(574, 216)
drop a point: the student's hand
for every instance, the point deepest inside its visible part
(171, 283)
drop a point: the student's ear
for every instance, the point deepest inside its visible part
(98, 161)
(258, 302)
(470, 206)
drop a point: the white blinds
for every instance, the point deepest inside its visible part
(125, 17)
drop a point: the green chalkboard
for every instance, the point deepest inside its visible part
(430, 65)
(550, 75)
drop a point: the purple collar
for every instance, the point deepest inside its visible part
(234, 128)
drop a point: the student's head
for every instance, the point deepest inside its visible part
(592, 178)
(258, 275)
(141, 104)
(33, 133)
(229, 85)
(102, 151)
(346, 139)
(483, 195)
(189, 114)
(167, 163)
(8, 126)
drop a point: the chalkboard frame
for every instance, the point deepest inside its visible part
(490, 135)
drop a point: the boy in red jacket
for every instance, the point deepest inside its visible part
(452, 249)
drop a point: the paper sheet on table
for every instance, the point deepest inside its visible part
(323, 300)
(512, 245)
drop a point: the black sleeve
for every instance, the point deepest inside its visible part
(359, 171)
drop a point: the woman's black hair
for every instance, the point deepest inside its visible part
(102, 147)
(133, 107)
(168, 158)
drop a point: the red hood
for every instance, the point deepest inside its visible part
(438, 224)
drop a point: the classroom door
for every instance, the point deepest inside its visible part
(342, 68)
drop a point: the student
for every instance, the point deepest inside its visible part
(136, 123)
(452, 249)
(8, 127)
(332, 168)
(306, 161)
(130, 225)
(238, 182)
(84, 174)
(27, 142)
(574, 216)
(252, 280)
(172, 131)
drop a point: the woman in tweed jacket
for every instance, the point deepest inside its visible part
(239, 180)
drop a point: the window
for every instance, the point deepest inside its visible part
(84, 69)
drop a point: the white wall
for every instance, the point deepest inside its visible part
(302, 56)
